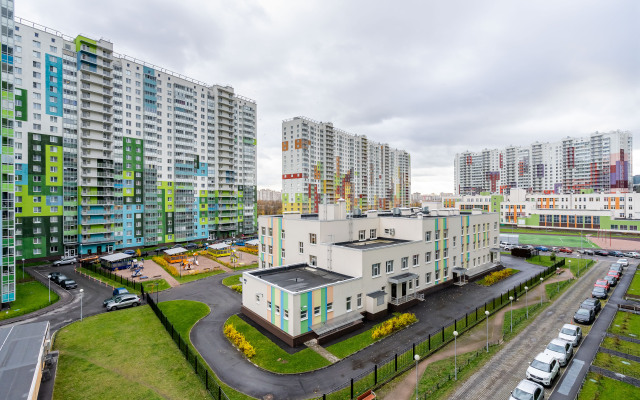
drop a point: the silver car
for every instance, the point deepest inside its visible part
(561, 350)
(571, 333)
(123, 301)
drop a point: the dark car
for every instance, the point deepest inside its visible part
(601, 253)
(53, 275)
(588, 252)
(616, 267)
(68, 284)
(59, 278)
(612, 280)
(541, 248)
(130, 252)
(616, 253)
(191, 246)
(599, 293)
(592, 304)
(584, 316)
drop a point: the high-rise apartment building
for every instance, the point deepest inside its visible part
(601, 161)
(7, 179)
(112, 152)
(321, 164)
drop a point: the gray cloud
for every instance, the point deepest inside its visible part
(434, 78)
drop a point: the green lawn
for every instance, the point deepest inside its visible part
(271, 357)
(519, 315)
(125, 354)
(551, 289)
(545, 261)
(634, 287)
(598, 387)
(191, 278)
(149, 286)
(623, 346)
(618, 364)
(572, 263)
(184, 314)
(349, 346)
(232, 280)
(626, 324)
(30, 296)
(555, 240)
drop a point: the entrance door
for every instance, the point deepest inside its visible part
(70, 251)
(98, 249)
(404, 289)
(393, 290)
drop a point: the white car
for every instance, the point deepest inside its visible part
(543, 369)
(623, 261)
(632, 254)
(560, 349)
(64, 261)
(527, 390)
(571, 333)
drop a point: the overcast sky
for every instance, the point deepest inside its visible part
(431, 77)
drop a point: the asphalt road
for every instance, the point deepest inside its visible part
(438, 309)
(501, 374)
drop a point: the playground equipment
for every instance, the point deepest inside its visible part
(137, 271)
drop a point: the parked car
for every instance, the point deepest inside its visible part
(588, 252)
(120, 290)
(565, 250)
(123, 301)
(191, 246)
(592, 304)
(632, 254)
(614, 273)
(616, 267)
(623, 261)
(68, 284)
(59, 278)
(543, 369)
(616, 253)
(612, 280)
(527, 390)
(561, 350)
(571, 333)
(64, 261)
(584, 316)
(599, 293)
(159, 249)
(541, 248)
(602, 283)
(53, 275)
(601, 253)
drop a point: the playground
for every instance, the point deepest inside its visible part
(558, 241)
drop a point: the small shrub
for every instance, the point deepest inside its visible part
(250, 251)
(552, 257)
(239, 340)
(164, 264)
(237, 288)
(392, 325)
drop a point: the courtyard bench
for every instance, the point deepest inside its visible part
(561, 270)
(368, 395)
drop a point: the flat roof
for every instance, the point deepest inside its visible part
(116, 257)
(372, 243)
(21, 348)
(299, 277)
(174, 251)
(218, 246)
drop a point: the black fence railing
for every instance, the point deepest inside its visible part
(403, 359)
(124, 281)
(190, 354)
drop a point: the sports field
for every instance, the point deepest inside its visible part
(558, 241)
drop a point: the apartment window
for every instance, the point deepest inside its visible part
(258, 298)
(416, 260)
(348, 303)
(437, 255)
(270, 231)
(445, 272)
(286, 314)
(375, 270)
(282, 233)
(437, 235)
(270, 249)
(445, 233)
(282, 253)
(329, 307)
(300, 247)
(445, 252)
(454, 261)
(264, 230)
(312, 238)
(37, 240)
(359, 300)
(427, 257)
(361, 235)
(277, 309)
(372, 234)
(427, 236)
(37, 210)
(316, 311)
(417, 282)
(389, 267)
(404, 262)
(264, 247)
(454, 241)
(427, 277)
(303, 315)
(437, 274)
(313, 260)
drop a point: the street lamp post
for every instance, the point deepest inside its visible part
(526, 299)
(23, 269)
(455, 355)
(541, 292)
(81, 296)
(417, 358)
(557, 272)
(487, 314)
(511, 300)
(49, 289)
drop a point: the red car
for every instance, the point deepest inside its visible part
(614, 274)
(565, 250)
(602, 283)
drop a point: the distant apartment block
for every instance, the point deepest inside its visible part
(323, 273)
(269, 195)
(601, 161)
(321, 164)
(113, 152)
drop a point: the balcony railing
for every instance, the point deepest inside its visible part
(404, 299)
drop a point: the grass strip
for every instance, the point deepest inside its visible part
(598, 387)
(623, 346)
(626, 324)
(105, 368)
(183, 315)
(557, 288)
(30, 297)
(634, 287)
(617, 364)
(232, 280)
(271, 357)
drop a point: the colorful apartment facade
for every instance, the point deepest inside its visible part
(321, 164)
(113, 152)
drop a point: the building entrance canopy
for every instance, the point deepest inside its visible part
(406, 277)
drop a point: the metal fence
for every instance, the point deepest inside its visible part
(403, 359)
(190, 354)
(114, 277)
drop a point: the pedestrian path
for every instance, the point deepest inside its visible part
(473, 340)
(313, 345)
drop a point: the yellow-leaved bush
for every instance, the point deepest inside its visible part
(164, 264)
(239, 340)
(392, 325)
(498, 276)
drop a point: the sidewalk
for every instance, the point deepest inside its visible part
(472, 340)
